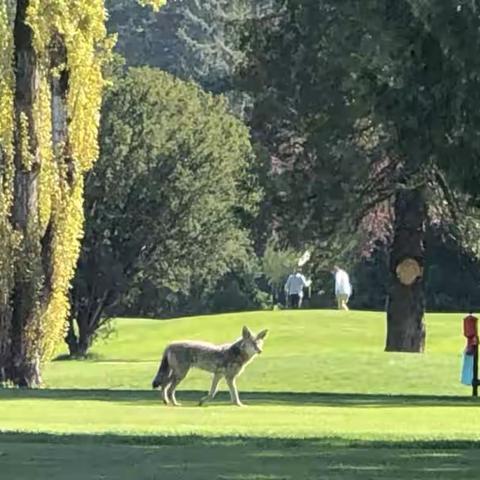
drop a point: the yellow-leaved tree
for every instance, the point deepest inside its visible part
(51, 57)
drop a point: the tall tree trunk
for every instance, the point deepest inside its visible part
(33, 270)
(79, 344)
(25, 355)
(71, 338)
(406, 300)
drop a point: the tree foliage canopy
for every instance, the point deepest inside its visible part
(167, 202)
(51, 58)
(48, 140)
(358, 101)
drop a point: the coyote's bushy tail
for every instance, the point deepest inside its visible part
(163, 371)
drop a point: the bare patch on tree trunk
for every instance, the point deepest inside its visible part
(408, 271)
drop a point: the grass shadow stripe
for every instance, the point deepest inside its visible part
(271, 398)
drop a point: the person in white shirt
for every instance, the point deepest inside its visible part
(294, 288)
(343, 287)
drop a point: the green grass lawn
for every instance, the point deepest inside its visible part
(323, 401)
(306, 351)
(26, 458)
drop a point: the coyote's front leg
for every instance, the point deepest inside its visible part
(234, 392)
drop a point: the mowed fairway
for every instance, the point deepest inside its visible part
(324, 401)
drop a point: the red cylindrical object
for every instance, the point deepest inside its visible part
(470, 330)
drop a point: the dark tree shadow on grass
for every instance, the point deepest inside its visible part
(146, 397)
(77, 457)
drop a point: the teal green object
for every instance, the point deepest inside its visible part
(467, 369)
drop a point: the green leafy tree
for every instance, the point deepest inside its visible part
(48, 129)
(51, 58)
(320, 159)
(367, 102)
(166, 204)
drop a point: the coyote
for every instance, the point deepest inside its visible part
(222, 360)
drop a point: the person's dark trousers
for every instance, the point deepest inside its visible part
(294, 300)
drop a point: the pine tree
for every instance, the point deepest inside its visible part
(210, 37)
(209, 42)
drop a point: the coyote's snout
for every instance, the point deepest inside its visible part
(222, 360)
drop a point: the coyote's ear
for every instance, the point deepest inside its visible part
(262, 334)
(246, 333)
